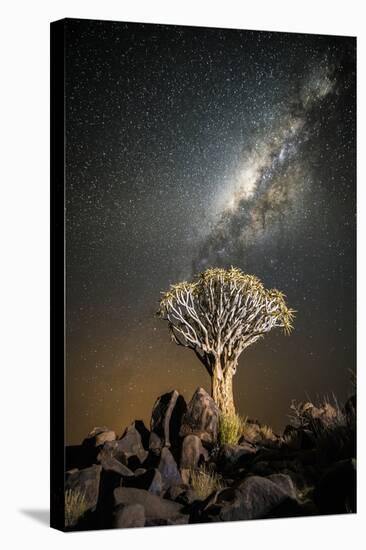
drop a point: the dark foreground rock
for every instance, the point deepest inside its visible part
(285, 483)
(85, 482)
(147, 478)
(193, 453)
(150, 480)
(201, 418)
(111, 463)
(131, 445)
(158, 511)
(335, 492)
(168, 469)
(98, 436)
(253, 498)
(129, 515)
(166, 419)
(232, 457)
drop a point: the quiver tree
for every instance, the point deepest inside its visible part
(219, 314)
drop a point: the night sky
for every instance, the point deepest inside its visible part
(189, 148)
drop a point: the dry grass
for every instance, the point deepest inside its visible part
(325, 412)
(230, 429)
(334, 430)
(75, 506)
(249, 430)
(266, 432)
(233, 427)
(204, 482)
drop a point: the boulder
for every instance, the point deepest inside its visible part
(335, 493)
(158, 511)
(181, 493)
(131, 444)
(262, 468)
(110, 463)
(140, 471)
(167, 416)
(150, 480)
(129, 515)
(143, 431)
(253, 498)
(115, 450)
(285, 483)
(232, 457)
(187, 497)
(260, 496)
(201, 417)
(98, 436)
(168, 469)
(86, 482)
(193, 453)
(155, 443)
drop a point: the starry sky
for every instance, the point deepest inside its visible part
(193, 147)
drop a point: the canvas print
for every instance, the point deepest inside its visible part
(204, 202)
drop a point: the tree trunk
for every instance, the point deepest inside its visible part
(222, 391)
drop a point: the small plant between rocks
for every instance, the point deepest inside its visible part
(204, 482)
(230, 428)
(75, 506)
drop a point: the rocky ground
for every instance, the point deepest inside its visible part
(182, 470)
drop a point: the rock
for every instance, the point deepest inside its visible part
(114, 449)
(140, 471)
(98, 436)
(253, 498)
(150, 480)
(109, 480)
(167, 416)
(143, 431)
(335, 493)
(175, 491)
(110, 463)
(131, 444)
(234, 456)
(158, 511)
(155, 443)
(129, 515)
(260, 497)
(86, 482)
(193, 453)
(285, 483)
(168, 469)
(187, 497)
(201, 417)
(261, 468)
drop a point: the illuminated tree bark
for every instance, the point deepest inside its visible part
(219, 314)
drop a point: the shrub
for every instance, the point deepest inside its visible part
(75, 506)
(230, 429)
(204, 482)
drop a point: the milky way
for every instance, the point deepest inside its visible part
(189, 148)
(267, 193)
